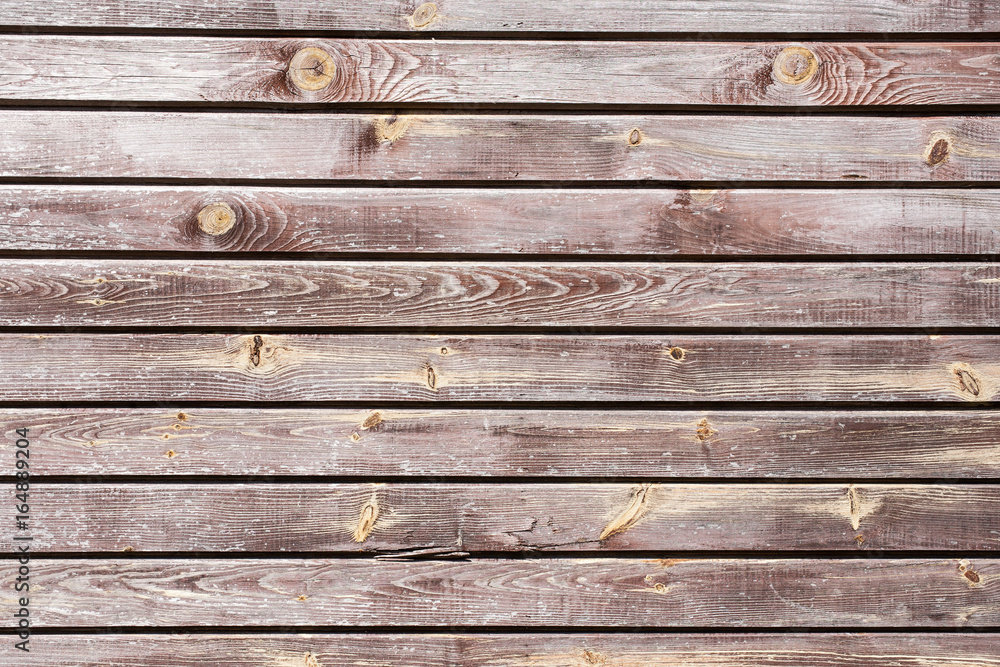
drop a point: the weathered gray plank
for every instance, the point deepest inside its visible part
(304, 367)
(171, 69)
(517, 443)
(541, 650)
(747, 593)
(886, 16)
(181, 293)
(524, 147)
(380, 517)
(619, 221)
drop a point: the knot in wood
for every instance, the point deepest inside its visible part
(938, 149)
(258, 342)
(634, 137)
(216, 219)
(424, 15)
(311, 69)
(795, 65)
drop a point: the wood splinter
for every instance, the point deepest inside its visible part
(366, 521)
(632, 513)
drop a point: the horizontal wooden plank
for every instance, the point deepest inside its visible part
(509, 147)
(491, 650)
(170, 69)
(182, 293)
(382, 517)
(257, 368)
(606, 221)
(515, 443)
(591, 593)
(516, 15)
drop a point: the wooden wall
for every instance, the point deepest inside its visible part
(594, 333)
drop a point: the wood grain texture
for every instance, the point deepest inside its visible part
(520, 650)
(184, 293)
(594, 593)
(522, 147)
(605, 221)
(591, 444)
(304, 367)
(628, 16)
(171, 69)
(378, 517)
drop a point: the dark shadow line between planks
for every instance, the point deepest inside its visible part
(46, 30)
(492, 630)
(987, 109)
(504, 331)
(589, 406)
(392, 257)
(219, 479)
(416, 554)
(500, 184)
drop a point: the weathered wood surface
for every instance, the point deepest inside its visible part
(621, 593)
(538, 650)
(183, 293)
(511, 443)
(310, 367)
(171, 69)
(617, 16)
(523, 147)
(139, 517)
(605, 221)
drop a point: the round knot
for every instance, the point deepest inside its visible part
(938, 149)
(216, 219)
(795, 65)
(311, 69)
(424, 15)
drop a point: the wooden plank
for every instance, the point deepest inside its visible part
(338, 518)
(522, 147)
(592, 593)
(256, 368)
(542, 650)
(182, 293)
(605, 444)
(628, 16)
(170, 69)
(606, 221)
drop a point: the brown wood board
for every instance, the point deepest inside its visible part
(521, 650)
(185, 293)
(502, 221)
(593, 443)
(379, 517)
(195, 70)
(256, 368)
(519, 16)
(528, 147)
(569, 592)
